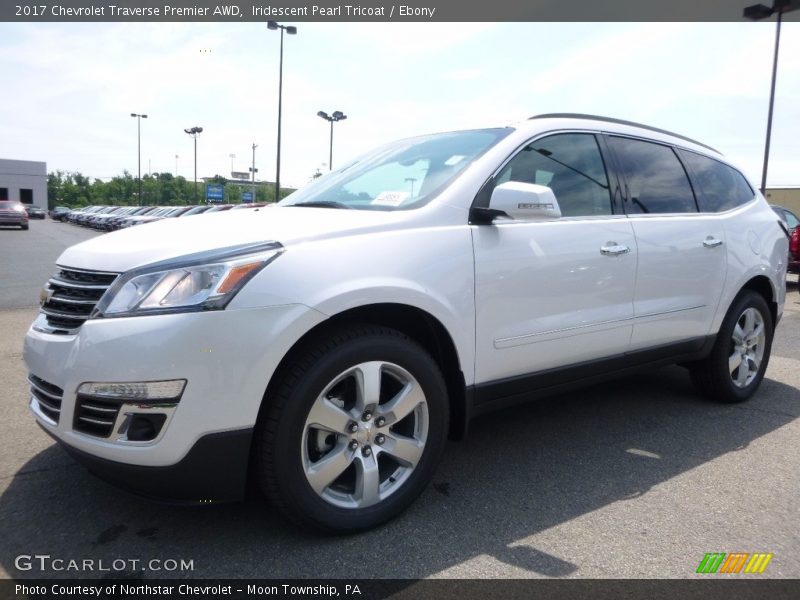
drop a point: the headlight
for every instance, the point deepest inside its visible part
(205, 281)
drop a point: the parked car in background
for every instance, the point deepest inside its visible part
(74, 215)
(153, 215)
(220, 208)
(34, 212)
(167, 212)
(111, 218)
(87, 219)
(327, 349)
(59, 212)
(786, 216)
(104, 221)
(790, 220)
(197, 210)
(115, 222)
(177, 211)
(13, 213)
(794, 253)
(93, 220)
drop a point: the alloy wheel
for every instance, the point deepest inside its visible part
(747, 347)
(364, 434)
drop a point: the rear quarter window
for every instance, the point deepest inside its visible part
(721, 187)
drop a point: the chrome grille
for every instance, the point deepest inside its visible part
(72, 295)
(95, 416)
(48, 396)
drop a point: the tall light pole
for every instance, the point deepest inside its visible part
(253, 171)
(194, 132)
(336, 116)
(176, 165)
(756, 12)
(139, 147)
(291, 30)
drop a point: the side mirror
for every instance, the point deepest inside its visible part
(524, 202)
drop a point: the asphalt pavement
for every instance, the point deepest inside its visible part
(637, 478)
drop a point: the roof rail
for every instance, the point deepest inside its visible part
(621, 122)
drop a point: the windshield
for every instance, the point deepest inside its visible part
(401, 175)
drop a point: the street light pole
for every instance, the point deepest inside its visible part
(253, 172)
(758, 12)
(291, 30)
(336, 116)
(139, 148)
(194, 132)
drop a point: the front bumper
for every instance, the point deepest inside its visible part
(227, 358)
(214, 470)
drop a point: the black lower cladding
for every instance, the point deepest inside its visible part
(214, 470)
(494, 395)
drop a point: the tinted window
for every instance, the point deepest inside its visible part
(656, 180)
(571, 165)
(791, 219)
(721, 187)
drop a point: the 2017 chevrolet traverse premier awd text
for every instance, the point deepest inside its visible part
(327, 348)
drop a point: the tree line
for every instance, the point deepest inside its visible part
(158, 189)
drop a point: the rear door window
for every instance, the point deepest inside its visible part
(655, 179)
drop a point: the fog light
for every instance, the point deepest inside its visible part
(143, 390)
(144, 428)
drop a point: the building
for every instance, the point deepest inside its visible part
(788, 197)
(24, 180)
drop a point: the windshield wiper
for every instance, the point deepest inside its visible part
(322, 204)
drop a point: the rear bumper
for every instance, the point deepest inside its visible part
(214, 470)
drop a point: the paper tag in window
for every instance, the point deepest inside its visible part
(454, 160)
(390, 198)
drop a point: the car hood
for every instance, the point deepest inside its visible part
(171, 238)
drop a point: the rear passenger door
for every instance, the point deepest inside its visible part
(681, 252)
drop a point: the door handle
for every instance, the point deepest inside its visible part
(711, 242)
(613, 249)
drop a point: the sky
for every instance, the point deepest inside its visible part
(69, 89)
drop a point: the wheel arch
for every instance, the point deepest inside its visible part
(412, 321)
(761, 284)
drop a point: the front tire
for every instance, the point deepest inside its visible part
(354, 431)
(737, 363)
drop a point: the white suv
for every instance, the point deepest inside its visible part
(326, 348)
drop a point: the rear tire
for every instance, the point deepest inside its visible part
(24, 227)
(736, 365)
(354, 431)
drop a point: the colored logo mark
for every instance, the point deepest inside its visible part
(735, 562)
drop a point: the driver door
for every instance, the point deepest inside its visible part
(547, 294)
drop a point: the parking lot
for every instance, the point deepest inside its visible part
(634, 478)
